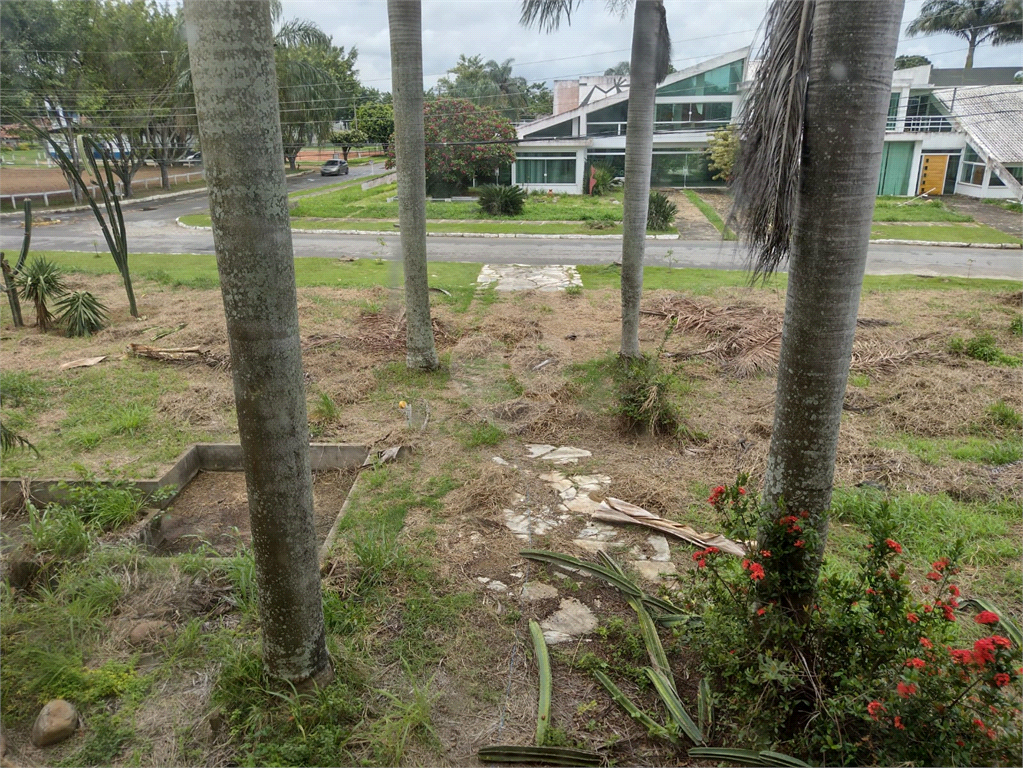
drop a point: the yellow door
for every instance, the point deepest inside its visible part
(932, 174)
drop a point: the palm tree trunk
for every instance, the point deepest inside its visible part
(230, 45)
(972, 48)
(847, 99)
(406, 24)
(639, 140)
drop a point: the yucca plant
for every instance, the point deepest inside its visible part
(661, 213)
(81, 314)
(502, 201)
(42, 281)
(603, 179)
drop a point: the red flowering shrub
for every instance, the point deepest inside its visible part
(861, 671)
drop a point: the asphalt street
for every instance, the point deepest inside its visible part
(151, 228)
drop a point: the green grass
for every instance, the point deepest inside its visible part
(1008, 205)
(712, 215)
(109, 409)
(983, 347)
(372, 204)
(200, 271)
(941, 233)
(976, 450)
(901, 209)
(483, 433)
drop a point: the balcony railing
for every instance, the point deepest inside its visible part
(618, 129)
(920, 124)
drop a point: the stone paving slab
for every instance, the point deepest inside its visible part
(524, 277)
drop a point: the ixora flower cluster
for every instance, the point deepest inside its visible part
(856, 666)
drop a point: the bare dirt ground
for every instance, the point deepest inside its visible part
(515, 364)
(691, 223)
(19, 181)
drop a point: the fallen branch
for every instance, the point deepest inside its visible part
(179, 355)
(613, 510)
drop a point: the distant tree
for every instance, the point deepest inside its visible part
(489, 85)
(976, 21)
(346, 139)
(539, 101)
(621, 68)
(377, 122)
(722, 149)
(908, 62)
(464, 142)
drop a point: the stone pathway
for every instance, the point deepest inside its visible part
(522, 277)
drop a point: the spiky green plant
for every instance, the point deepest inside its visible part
(42, 281)
(81, 314)
(502, 201)
(661, 213)
(9, 440)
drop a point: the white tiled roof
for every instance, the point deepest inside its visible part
(991, 115)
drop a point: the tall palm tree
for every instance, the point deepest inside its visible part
(405, 21)
(975, 21)
(513, 89)
(651, 59)
(835, 149)
(231, 54)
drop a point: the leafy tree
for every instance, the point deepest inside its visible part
(908, 62)
(976, 21)
(489, 85)
(377, 122)
(44, 65)
(621, 68)
(346, 139)
(650, 64)
(539, 101)
(722, 149)
(832, 145)
(464, 142)
(249, 209)
(405, 22)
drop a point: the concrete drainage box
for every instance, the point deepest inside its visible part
(209, 511)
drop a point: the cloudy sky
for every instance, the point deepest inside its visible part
(593, 42)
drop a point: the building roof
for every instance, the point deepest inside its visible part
(991, 116)
(550, 120)
(975, 76)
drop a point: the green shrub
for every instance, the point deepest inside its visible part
(41, 281)
(981, 347)
(1016, 326)
(661, 213)
(867, 673)
(81, 314)
(497, 200)
(1004, 415)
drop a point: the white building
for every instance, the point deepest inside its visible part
(948, 131)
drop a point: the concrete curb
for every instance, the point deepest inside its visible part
(503, 235)
(512, 235)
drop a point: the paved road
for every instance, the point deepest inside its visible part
(151, 228)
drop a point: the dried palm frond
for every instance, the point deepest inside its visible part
(766, 181)
(662, 64)
(870, 356)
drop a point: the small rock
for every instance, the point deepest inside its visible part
(535, 590)
(483, 579)
(56, 722)
(149, 631)
(515, 574)
(536, 451)
(569, 621)
(566, 455)
(499, 460)
(660, 546)
(497, 586)
(651, 570)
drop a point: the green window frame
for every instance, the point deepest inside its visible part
(720, 81)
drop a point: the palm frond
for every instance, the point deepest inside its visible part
(9, 440)
(296, 32)
(766, 181)
(546, 14)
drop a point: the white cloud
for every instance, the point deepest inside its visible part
(594, 41)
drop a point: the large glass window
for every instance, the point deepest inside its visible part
(540, 168)
(893, 112)
(923, 113)
(722, 81)
(973, 168)
(679, 117)
(559, 130)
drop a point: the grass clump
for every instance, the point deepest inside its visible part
(483, 433)
(1005, 416)
(900, 209)
(982, 347)
(1016, 326)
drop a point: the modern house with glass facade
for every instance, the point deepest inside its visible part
(948, 131)
(943, 138)
(590, 115)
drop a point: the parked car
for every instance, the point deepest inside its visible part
(192, 158)
(334, 167)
